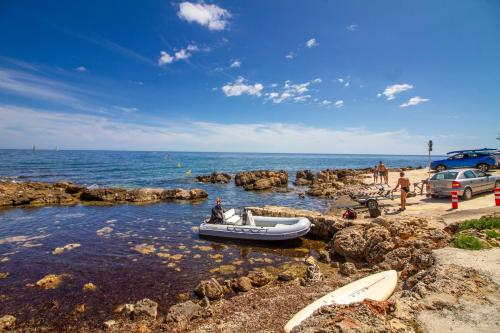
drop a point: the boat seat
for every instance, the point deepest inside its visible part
(233, 219)
(250, 219)
(229, 213)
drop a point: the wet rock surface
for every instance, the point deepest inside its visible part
(330, 183)
(215, 178)
(65, 193)
(210, 289)
(261, 180)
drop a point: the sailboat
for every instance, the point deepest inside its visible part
(34, 147)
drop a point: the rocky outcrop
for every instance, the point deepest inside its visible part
(397, 243)
(304, 178)
(261, 179)
(334, 182)
(7, 322)
(324, 226)
(37, 193)
(145, 308)
(214, 178)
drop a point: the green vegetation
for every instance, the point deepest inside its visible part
(485, 222)
(492, 234)
(468, 242)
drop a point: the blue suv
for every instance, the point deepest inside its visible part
(479, 158)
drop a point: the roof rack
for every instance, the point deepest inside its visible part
(481, 150)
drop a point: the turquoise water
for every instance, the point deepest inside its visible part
(110, 261)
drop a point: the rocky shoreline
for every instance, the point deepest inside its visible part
(67, 193)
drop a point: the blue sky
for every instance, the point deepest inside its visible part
(259, 76)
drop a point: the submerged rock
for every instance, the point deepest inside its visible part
(67, 247)
(184, 312)
(7, 322)
(260, 278)
(145, 249)
(242, 284)
(89, 287)
(51, 281)
(109, 323)
(261, 179)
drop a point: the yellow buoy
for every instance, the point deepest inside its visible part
(188, 172)
(179, 164)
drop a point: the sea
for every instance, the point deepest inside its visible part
(29, 236)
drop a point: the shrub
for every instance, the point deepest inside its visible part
(492, 234)
(485, 222)
(468, 242)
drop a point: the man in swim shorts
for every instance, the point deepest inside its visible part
(404, 182)
(383, 173)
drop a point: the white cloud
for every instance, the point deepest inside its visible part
(312, 43)
(341, 80)
(301, 98)
(339, 104)
(346, 84)
(211, 16)
(126, 109)
(291, 91)
(291, 55)
(235, 64)
(352, 27)
(81, 69)
(20, 127)
(182, 54)
(165, 58)
(414, 101)
(240, 87)
(390, 92)
(192, 48)
(326, 102)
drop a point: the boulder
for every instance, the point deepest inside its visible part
(109, 323)
(259, 278)
(145, 308)
(347, 268)
(184, 312)
(7, 322)
(242, 284)
(324, 256)
(304, 177)
(50, 281)
(210, 289)
(350, 242)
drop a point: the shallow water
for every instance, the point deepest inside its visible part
(28, 236)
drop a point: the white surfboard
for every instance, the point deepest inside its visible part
(377, 287)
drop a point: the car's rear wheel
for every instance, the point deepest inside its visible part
(441, 167)
(483, 167)
(467, 194)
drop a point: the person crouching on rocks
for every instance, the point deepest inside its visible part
(217, 213)
(404, 182)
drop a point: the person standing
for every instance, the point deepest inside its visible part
(404, 182)
(375, 174)
(383, 173)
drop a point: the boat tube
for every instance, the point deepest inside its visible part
(265, 228)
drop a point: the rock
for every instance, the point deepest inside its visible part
(145, 307)
(209, 288)
(67, 247)
(145, 248)
(4, 275)
(184, 312)
(261, 179)
(80, 308)
(324, 256)
(242, 284)
(33, 193)
(350, 242)
(214, 178)
(142, 195)
(286, 276)
(104, 231)
(89, 287)
(331, 183)
(124, 308)
(304, 177)
(109, 323)
(347, 268)
(51, 281)
(7, 322)
(259, 278)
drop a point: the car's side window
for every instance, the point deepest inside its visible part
(480, 173)
(469, 174)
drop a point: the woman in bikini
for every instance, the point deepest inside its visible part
(404, 182)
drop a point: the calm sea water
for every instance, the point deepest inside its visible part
(29, 235)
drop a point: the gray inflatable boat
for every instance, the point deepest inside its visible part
(246, 226)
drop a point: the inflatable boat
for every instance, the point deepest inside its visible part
(265, 228)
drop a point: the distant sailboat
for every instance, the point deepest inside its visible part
(34, 147)
(57, 148)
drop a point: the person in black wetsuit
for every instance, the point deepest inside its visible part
(217, 213)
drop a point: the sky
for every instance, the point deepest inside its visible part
(250, 76)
